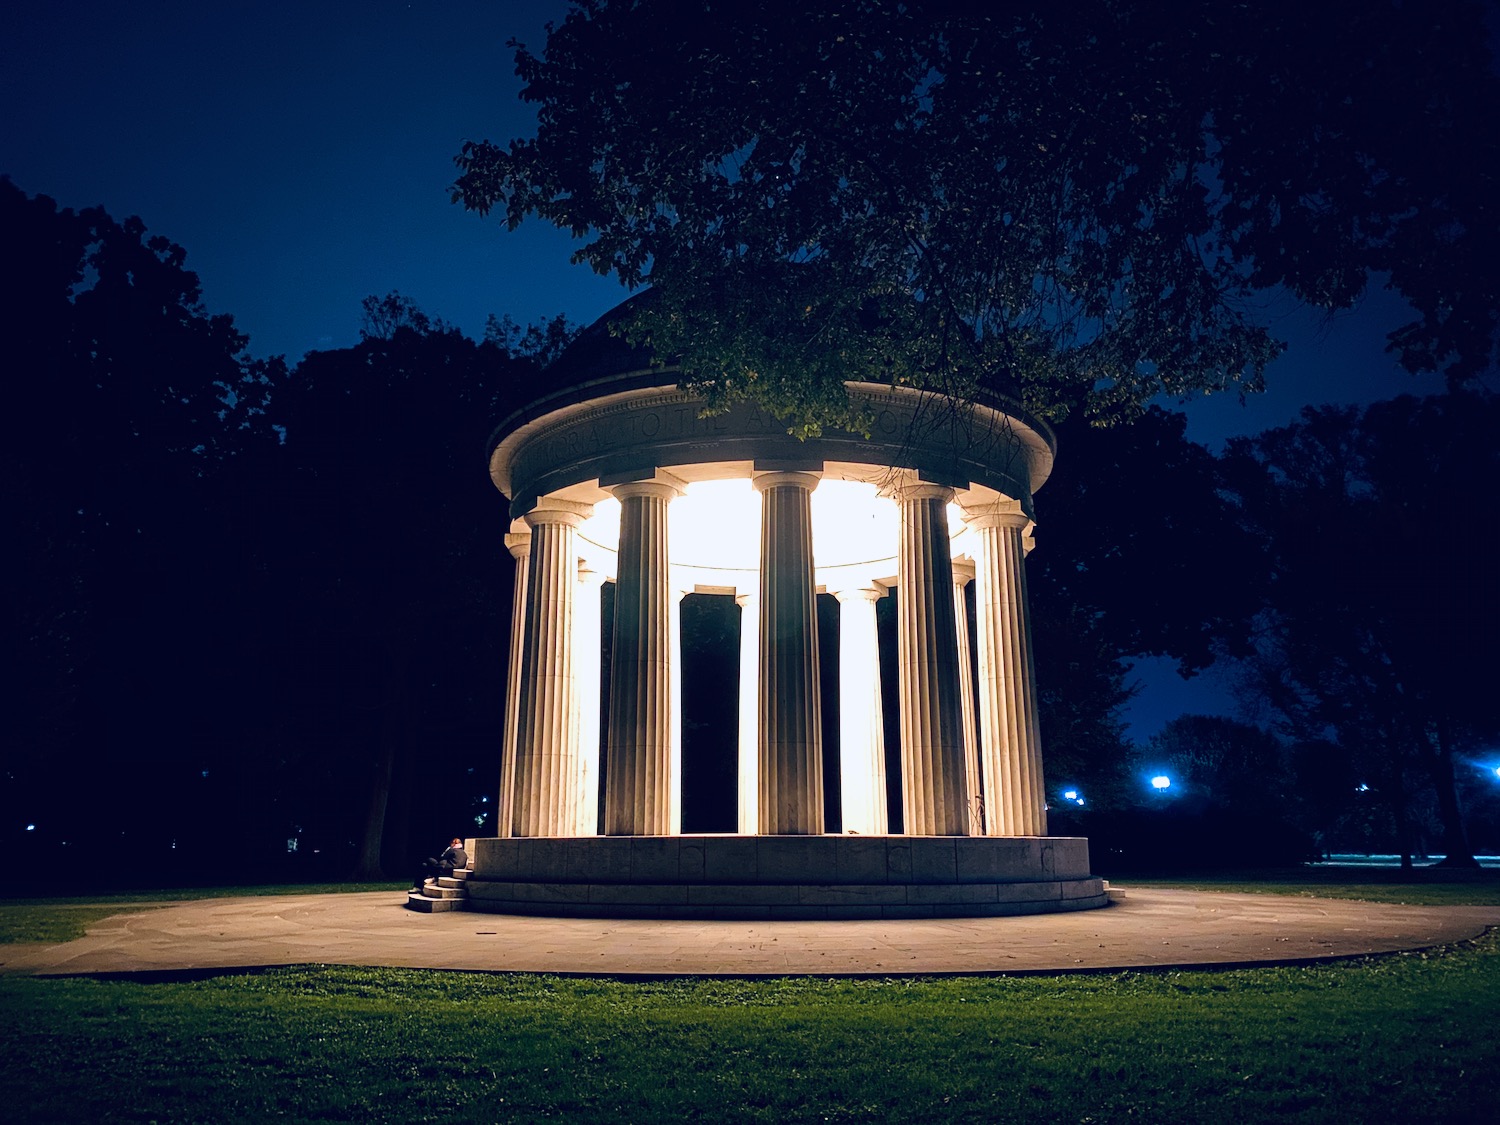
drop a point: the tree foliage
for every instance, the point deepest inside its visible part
(1381, 630)
(126, 398)
(248, 606)
(1134, 533)
(1078, 203)
(1137, 555)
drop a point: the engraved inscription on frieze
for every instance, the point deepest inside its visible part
(670, 420)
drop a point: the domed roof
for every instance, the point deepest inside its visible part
(601, 351)
(605, 412)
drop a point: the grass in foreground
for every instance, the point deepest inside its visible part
(1391, 1039)
(1424, 886)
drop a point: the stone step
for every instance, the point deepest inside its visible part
(456, 890)
(428, 905)
(445, 881)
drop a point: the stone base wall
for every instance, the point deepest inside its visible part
(750, 877)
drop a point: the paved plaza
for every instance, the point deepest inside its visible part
(1145, 928)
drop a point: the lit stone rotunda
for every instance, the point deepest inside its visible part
(615, 475)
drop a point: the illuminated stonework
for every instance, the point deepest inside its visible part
(621, 478)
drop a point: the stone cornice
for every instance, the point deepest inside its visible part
(638, 423)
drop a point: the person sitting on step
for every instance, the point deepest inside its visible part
(453, 858)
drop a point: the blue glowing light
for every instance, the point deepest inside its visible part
(1161, 781)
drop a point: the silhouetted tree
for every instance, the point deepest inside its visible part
(1081, 203)
(386, 543)
(1381, 628)
(1137, 555)
(126, 397)
(250, 611)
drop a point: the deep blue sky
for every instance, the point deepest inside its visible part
(302, 153)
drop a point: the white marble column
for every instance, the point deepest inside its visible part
(963, 574)
(1015, 798)
(546, 788)
(935, 798)
(749, 774)
(861, 729)
(587, 623)
(790, 721)
(638, 777)
(674, 713)
(520, 549)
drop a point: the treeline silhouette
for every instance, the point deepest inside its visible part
(250, 604)
(257, 617)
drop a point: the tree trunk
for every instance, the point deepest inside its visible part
(1456, 849)
(1403, 823)
(368, 867)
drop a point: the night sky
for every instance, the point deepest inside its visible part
(302, 154)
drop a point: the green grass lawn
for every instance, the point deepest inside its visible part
(1399, 1038)
(1423, 886)
(1405, 1038)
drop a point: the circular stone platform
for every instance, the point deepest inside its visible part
(794, 877)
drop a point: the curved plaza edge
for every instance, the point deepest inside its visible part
(1149, 928)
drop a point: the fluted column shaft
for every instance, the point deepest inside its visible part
(749, 757)
(1015, 798)
(935, 796)
(520, 550)
(587, 623)
(790, 723)
(963, 574)
(861, 727)
(546, 788)
(638, 776)
(674, 715)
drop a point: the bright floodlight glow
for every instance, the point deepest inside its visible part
(1497, 771)
(716, 524)
(852, 524)
(1161, 781)
(714, 532)
(1071, 794)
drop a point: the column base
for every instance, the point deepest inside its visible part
(807, 877)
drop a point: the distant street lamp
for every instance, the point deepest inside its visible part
(1161, 781)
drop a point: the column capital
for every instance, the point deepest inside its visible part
(658, 489)
(870, 593)
(518, 544)
(762, 481)
(921, 490)
(569, 513)
(1006, 513)
(963, 571)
